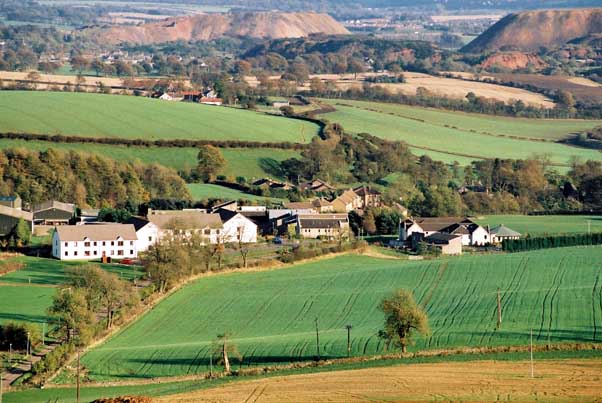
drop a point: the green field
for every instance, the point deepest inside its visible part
(271, 314)
(398, 122)
(540, 225)
(249, 162)
(97, 115)
(27, 293)
(203, 191)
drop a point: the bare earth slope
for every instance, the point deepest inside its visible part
(528, 31)
(270, 25)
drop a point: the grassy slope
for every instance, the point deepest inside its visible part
(433, 135)
(271, 314)
(202, 191)
(97, 115)
(250, 162)
(21, 301)
(538, 225)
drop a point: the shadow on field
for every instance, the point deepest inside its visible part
(23, 318)
(271, 167)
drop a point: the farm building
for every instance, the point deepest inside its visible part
(146, 231)
(88, 215)
(370, 197)
(470, 232)
(94, 241)
(448, 244)
(317, 185)
(315, 205)
(501, 232)
(9, 218)
(346, 202)
(331, 226)
(53, 213)
(237, 227)
(11, 201)
(208, 225)
(211, 101)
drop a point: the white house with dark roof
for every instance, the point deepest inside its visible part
(330, 226)
(237, 227)
(95, 241)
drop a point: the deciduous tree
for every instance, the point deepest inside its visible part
(403, 318)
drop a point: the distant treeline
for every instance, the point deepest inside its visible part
(526, 244)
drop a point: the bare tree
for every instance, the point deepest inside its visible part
(225, 349)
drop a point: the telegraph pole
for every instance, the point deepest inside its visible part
(499, 309)
(531, 351)
(349, 327)
(317, 338)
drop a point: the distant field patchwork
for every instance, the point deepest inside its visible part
(271, 315)
(96, 115)
(462, 135)
(550, 224)
(203, 191)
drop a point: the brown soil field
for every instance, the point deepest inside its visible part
(477, 381)
(449, 87)
(60, 79)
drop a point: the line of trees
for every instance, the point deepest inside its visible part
(557, 241)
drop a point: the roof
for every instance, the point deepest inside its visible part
(440, 238)
(137, 222)
(99, 232)
(226, 215)
(315, 222)
(185, 220)
(16, 213)
(365, 190)
(207, 99)
(305, 205)
(321, 203)
(89, 212)
(347, 197)
(503, 231)
(317, 184)
(52, 204)
(431, 224)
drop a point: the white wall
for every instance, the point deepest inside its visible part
(231, 230)
(92, 250)
(480, 236)
(147, 236)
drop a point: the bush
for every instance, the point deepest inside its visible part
(559, 241)
(15, 334)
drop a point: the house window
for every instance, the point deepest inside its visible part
(66, 253)
(95, 253)
(150, 238)
(103, 243)
(66, 244)
(95, 243)
(74, 243)
(120, 243)
(120, 252)
(87, 244)
(87, 253)
(131, 243)
(75, 253)
(131, 252)
(207, 231)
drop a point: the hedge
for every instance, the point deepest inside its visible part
(559, 241)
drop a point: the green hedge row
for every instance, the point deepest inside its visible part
(558, 241)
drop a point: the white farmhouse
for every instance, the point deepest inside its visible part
(94, 241)
(207, 225)
(237, 227)
(470, 232)
(146, 231)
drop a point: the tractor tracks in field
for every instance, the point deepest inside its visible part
(549, 299)
(599, 302)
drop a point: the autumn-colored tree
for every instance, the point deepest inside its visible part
(210, 162)
(403, 318)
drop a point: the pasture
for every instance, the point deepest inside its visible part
(425, 129)
(248, 162)
(203, 191)
(98, 115)
(542, 225)
(26, 294)
(271, 314)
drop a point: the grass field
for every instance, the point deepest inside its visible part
(271, 314)
(464, 137)
(249, 162)
(96, 115)
(202, 191)
(27, 293)
(540, 225)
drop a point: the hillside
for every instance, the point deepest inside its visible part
(271, 25)
(528, 31)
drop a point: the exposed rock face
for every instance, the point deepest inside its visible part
(271, 25)
(514, 61)
(529, 31)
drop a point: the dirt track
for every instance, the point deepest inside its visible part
(480, 381)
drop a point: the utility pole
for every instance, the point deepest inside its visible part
(531, 351)
(1, 375)
(211, 365)
(589, 226)
(349, 327)
(77, 395)
(44, 333)
(317, 339)
(499, 309)
(28, 349)
(10, 355)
